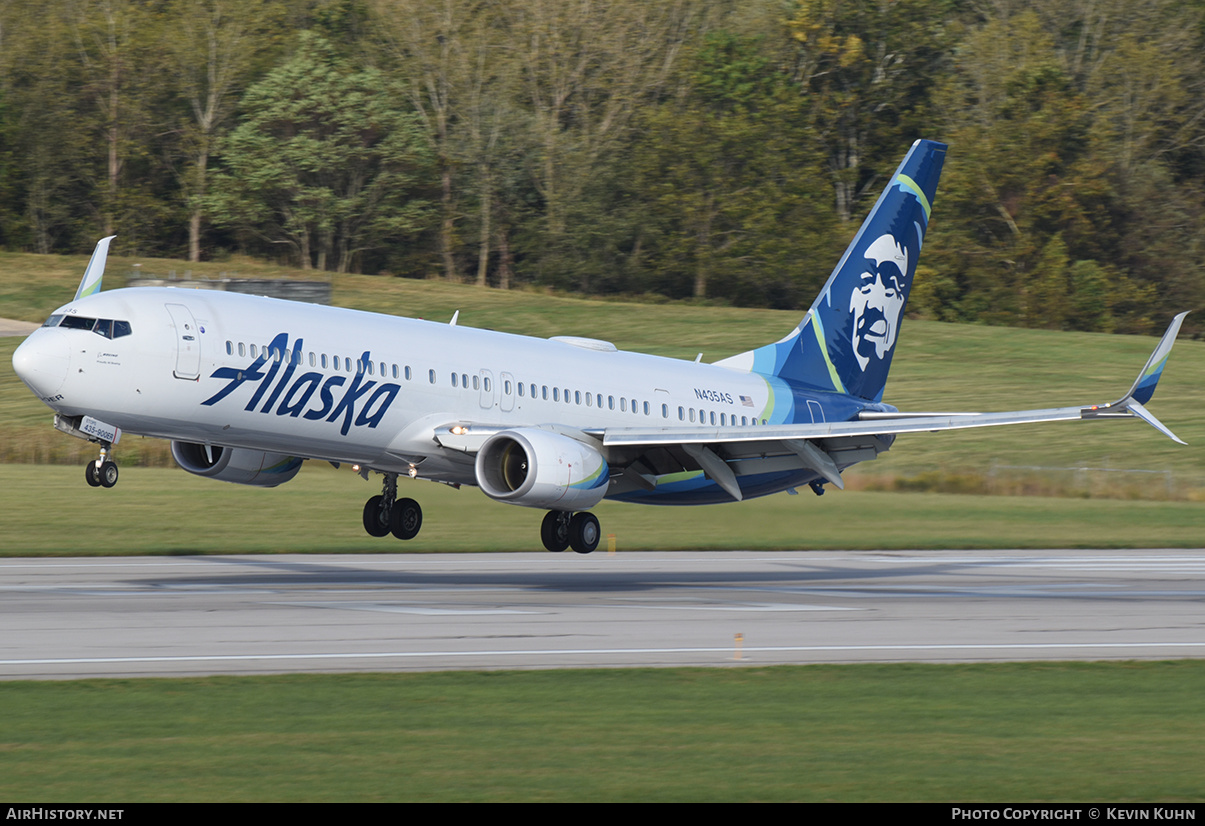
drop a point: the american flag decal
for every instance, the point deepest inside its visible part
(746, 401)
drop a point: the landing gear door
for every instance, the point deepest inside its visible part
(188, 343)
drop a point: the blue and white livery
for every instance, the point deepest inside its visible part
(247, 388)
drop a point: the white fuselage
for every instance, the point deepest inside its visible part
(346, 386)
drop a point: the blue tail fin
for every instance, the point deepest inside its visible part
(845, 342)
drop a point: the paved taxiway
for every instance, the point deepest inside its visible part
(268, 614)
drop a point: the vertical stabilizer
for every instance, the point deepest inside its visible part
(846, 340)
(90, 283)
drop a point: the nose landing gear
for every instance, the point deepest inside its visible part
(102, 472)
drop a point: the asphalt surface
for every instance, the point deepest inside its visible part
(174, 616)
(12, 327)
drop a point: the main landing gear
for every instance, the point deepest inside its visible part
(564, 529)
(101, 473)
(386, 513)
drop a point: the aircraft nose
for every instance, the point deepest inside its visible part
(42, 361)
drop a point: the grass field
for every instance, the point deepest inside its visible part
(49, 511)
(937, 366)
(1097, 732)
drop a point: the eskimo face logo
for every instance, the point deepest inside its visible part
(878, 300)
(358, 406)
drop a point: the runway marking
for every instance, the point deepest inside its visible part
(751, 607)
(600, 651)
(385, 608)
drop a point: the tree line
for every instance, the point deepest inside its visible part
(716, 149)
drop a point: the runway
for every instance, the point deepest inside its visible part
(175, 616)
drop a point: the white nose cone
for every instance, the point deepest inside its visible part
(42, 362)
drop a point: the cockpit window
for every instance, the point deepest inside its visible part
(75, 322)
(107, 327)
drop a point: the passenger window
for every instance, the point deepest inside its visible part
(431, 375)
(229, 348)
(455, 382)
(407, 372)
(242, 351)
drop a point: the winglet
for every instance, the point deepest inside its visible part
(90, 283)
(1144, 385)
(1132, 403)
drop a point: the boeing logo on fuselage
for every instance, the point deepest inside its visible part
(294, 395)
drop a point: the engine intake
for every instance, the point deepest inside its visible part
(236, 464)
(539, 469)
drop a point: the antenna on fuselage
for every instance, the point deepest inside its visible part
(455, 316)
(90, 283)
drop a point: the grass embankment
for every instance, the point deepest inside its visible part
(936, 367)
(50, 511)
(1101, 732)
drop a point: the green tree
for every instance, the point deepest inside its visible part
(322, 162)
(731, 204)
(212, 48)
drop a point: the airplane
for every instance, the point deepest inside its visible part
(247, 388)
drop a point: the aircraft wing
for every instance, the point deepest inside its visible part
(642, 454)
(721, 451)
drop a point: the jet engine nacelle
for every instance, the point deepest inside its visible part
(236, 464)
(540, 469)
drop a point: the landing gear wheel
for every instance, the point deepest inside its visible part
(108, 474)
(584, 532)
(376, 518)
(554, 530)
(92, 475)
(405, 519)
